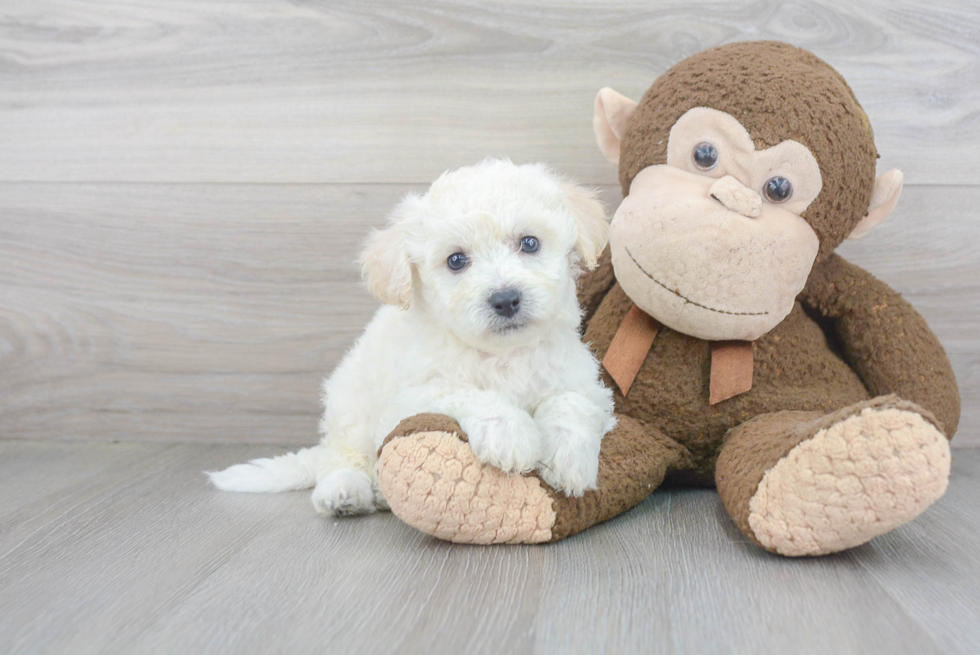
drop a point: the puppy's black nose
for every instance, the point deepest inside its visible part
(506, 302)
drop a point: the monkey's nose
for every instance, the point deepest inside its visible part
(506, 302)
(736, 197)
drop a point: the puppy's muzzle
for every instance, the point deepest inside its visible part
(506, 302)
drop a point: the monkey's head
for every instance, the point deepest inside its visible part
(741, 167)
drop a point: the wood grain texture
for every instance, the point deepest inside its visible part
(186, 312)
(123, 548)
(391, 91)
(212, 312)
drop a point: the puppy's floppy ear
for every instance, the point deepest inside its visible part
(591, 221)
(385, 265)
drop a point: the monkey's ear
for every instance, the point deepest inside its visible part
(591, 221)
(609, 121)
(385, 265)
(888, 187)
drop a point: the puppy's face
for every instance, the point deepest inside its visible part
(490, 251)
(493, 274)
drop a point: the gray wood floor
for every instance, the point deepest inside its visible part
(123, 548)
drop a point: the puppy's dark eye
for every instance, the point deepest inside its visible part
(457, 261)
(705, 156)
(777, 189)
(530, 244)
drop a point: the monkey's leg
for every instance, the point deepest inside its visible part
(802, 483)
(432, 481)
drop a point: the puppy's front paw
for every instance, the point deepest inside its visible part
(511, 443)
(346, 492)
(571, 464)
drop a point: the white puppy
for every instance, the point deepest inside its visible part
(480, 323)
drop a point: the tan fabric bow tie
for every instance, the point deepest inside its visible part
(731, 361)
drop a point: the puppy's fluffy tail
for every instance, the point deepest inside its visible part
(284, 473)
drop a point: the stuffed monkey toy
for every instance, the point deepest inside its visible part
(743, 352)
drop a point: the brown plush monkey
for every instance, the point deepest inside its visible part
(743, 352)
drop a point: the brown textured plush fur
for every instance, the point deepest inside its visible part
(777, 92)
(849, 343)
(794, 370)
(883, 338)
(633, 464)
(798, 366)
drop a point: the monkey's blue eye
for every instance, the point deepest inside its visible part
(777, 189)
(530, 244)
(705, 156)
(457, 261)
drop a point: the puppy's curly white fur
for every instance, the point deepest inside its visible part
(480, 323)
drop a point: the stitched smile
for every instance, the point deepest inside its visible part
(685, 298)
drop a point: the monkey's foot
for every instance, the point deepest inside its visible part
(854, 479)
(432, 481)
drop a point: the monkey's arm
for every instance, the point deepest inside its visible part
(594, 285)
(883, 338)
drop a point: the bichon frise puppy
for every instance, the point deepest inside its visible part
(481, 323)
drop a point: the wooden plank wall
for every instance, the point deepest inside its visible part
(184, 184)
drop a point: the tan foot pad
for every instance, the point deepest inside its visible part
(433, 482)
(852, 481)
